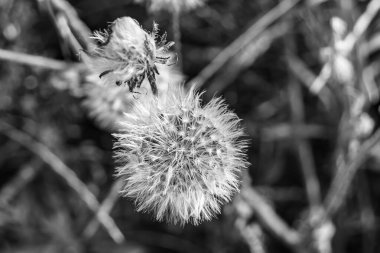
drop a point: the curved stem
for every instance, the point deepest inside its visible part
(176, 26)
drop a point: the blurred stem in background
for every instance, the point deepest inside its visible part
(314, 231)
(66, 173)
(176, 26)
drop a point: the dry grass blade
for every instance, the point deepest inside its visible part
(300, 70)
(104, 209)
(362, 23)
(176, 26)
(348, 44)
(270, 219)
(66, 173)
(79, 32)
(26, 174)
(243, 41)
(345, 174)
(321, 80)
(63, 27)
(303, 147)
(246, 57)
(252, 234)
(37, 61)
(286, 131)
(368, 216)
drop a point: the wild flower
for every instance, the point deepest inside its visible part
(107, 104)
(172, 5)
(178, 159)
(126, 54)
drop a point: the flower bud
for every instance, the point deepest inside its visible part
(126, 54)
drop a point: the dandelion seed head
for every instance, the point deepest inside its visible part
(125, 54)
(108, 104)
(180, 160)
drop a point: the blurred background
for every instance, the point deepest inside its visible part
(302, 75)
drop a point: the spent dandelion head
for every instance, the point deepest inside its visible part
(126, 54)
(108, 104)
(180, 160)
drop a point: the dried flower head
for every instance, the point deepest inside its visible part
(178, 159)
(126, 54)
(107, 105)
(172, 5)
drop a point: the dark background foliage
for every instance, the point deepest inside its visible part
(298, 137)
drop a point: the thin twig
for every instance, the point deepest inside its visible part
(105, 208)
(176, 26)
(320, 81)
(348, 44)
(65, 32)
(270, 219)
(345, 174)
(252, 234)
(286, 131)
(300, 70)
(367, 215)
(243, 40)
(78, 29)
(66, 173)
(255, 241)
(362, 24)
(245, 58)
(303, 147)
(26, 174)
(33, 60)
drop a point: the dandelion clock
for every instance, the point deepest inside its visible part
(179, 160)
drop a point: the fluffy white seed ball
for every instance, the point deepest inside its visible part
(180, 160)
